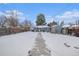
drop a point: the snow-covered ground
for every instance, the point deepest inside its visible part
(56, 44)
(19, 44)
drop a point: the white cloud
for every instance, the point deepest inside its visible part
(14, 11)
(69, 16)
(1, 13)
(17, 13)
(21, 16)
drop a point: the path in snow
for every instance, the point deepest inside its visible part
(40, 47)
(19, 44)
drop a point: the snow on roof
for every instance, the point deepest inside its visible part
(41, 26)
(75, 26)
(65, 26)
(54, 25)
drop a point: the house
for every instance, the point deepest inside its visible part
(74, 30)
(56, 29)
(53, 28)
(71, 30)
(65, 29)
(41, 28)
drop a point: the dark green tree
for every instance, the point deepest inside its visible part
(40, 19)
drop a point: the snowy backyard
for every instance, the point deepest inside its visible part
(35, 43)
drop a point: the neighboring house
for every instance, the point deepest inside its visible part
(53, 28)
(74, 30)
(41, 28)
(65, 29)
(71, 30)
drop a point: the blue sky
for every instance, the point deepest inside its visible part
(31, 10)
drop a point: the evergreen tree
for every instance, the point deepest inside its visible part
(40, 19)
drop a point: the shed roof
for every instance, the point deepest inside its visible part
(65, 26)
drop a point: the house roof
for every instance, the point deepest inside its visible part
(75, 26)
(41, 26)
(54, 26)
(65, 26)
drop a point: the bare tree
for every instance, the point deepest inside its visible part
(77, 22)
(2, 20)
(27, 23)
(62, 23)
(12, 18)
(9, 19)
